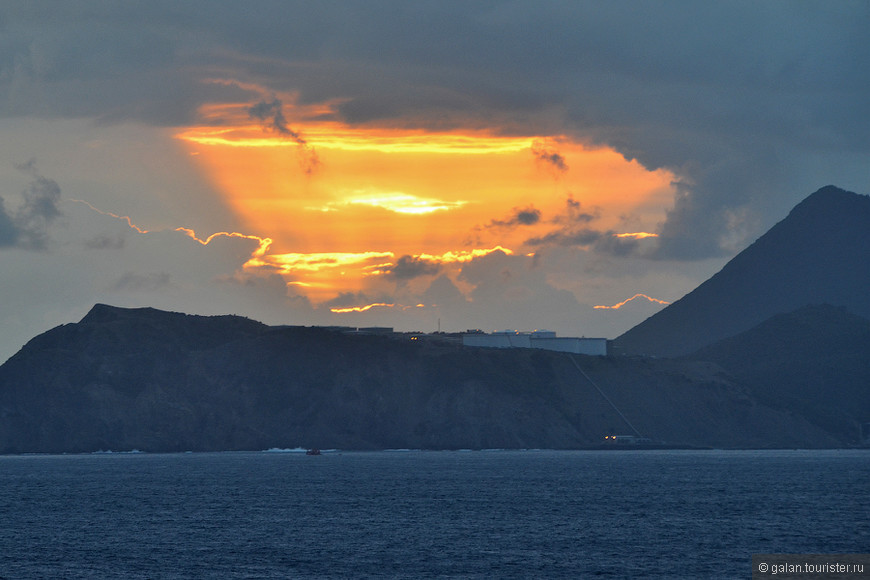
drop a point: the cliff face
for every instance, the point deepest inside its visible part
(820, 253)
(157, 381)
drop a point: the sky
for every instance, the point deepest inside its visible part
(571, 166)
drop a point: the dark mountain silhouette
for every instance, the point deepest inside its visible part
(144, 379)
(814, 361)
(820, 253)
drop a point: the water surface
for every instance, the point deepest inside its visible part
(477, 514)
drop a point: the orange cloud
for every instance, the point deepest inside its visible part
(340, 137)
(636, 235)
(382, 192)
(293, 263)
(262, 248)
(360, 308)
(321, 275)
(636, 296)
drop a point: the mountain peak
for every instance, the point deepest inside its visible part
(829, 191)
(820, 253)
(832, 200)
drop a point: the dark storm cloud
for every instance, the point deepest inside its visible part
(582, 237)
(271, 113)
(410, 267)
(752, 105)
(549, 156)
(615, 246)
(347, 299)
(604, 242)
(353, 299)
(27, 226)
(572, 230)
(575, 214)
(519, 217)
(528, 216)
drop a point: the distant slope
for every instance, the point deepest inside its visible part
(819, 254)
(814, 361)
(156, 381)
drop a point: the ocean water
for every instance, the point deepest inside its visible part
(416, 514)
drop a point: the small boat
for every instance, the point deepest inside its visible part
(313, 451)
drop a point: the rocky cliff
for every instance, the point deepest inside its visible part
(145, 379)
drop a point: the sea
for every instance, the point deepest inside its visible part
(427, 514)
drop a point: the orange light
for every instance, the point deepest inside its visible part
(361, 308)
(636, 296)
(380, 193)
(397, 202)
(339, 137)
(116, 216)
(636, 235)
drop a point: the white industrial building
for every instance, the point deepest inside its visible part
(542, 339)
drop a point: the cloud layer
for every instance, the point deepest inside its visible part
(730, 96)
(750, 106)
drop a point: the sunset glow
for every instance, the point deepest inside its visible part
(342, 204)
(301, 162)
(636, 235)
(360, 308)
(394, 201)
(293, 263)
(338, 137)
(635, 297)
(262, 243)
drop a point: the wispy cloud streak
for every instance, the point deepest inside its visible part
(263, 244)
